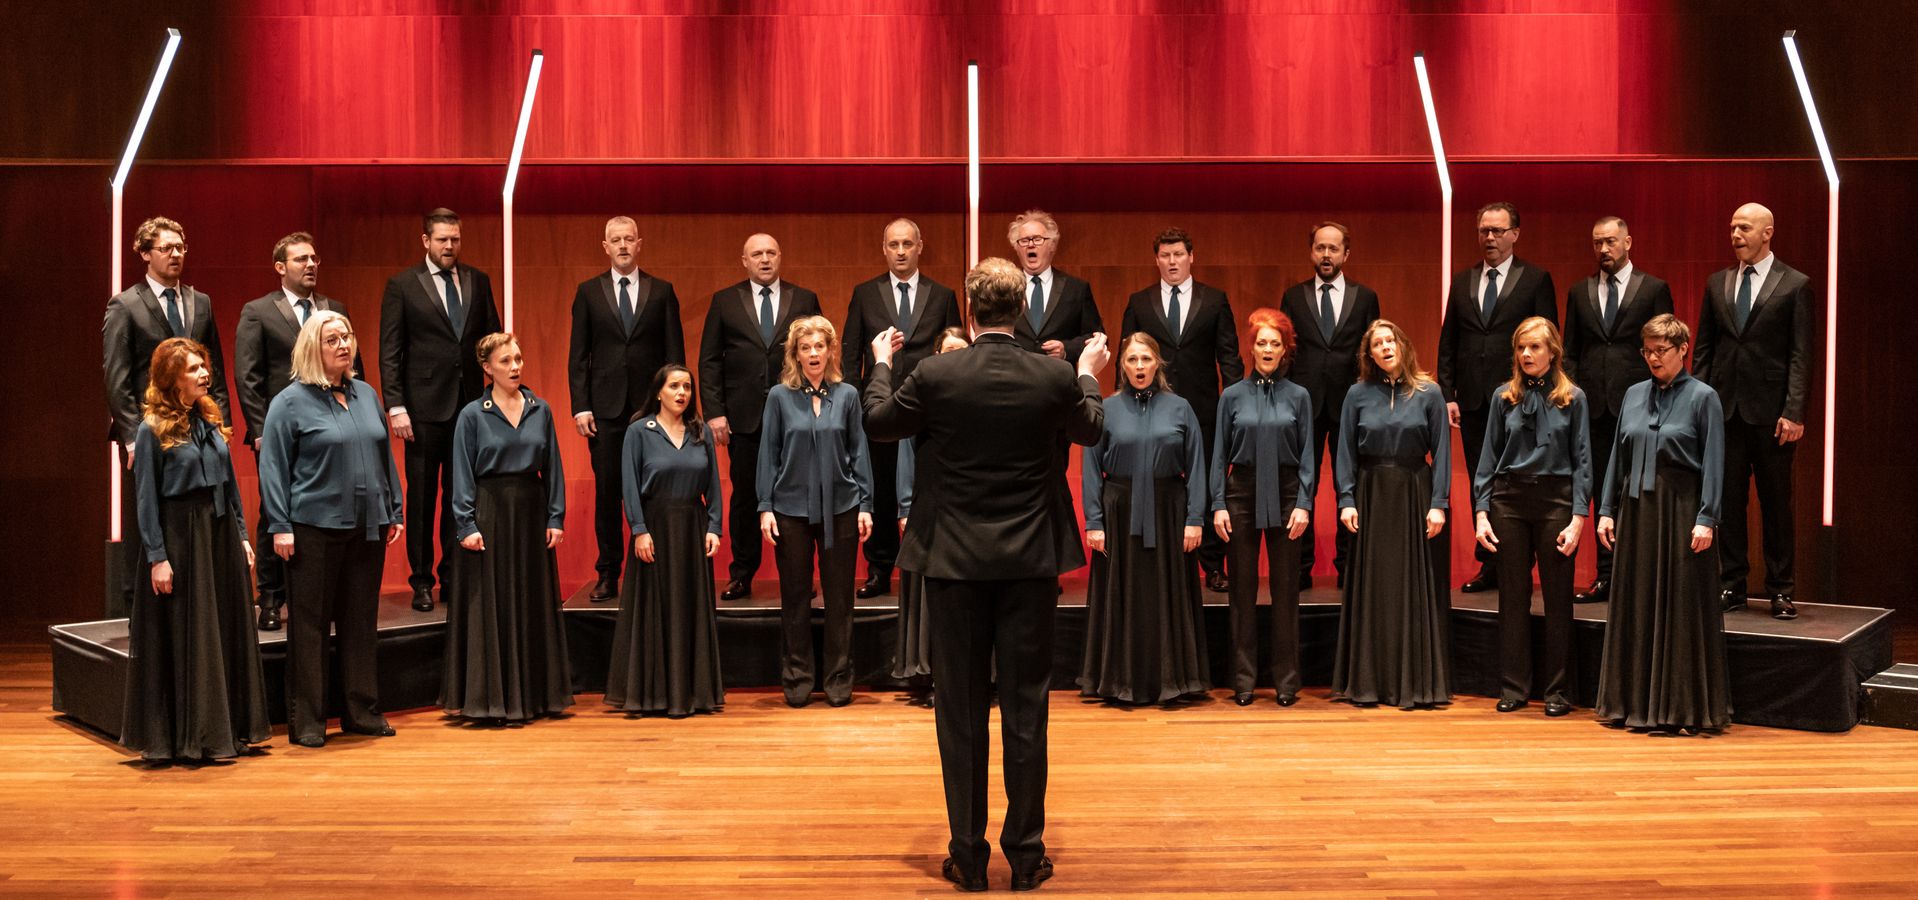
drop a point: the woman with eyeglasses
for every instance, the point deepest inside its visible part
(332, 499)
(1529, 491)
(194, 689)
(1664, 664)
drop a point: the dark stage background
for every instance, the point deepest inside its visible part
(1243, 122)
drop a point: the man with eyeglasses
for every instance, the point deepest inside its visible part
(157, 307)
(1603, 314)
(263, 366)
(1060, 313)
(1754, 348)
(432, 317)
(1488, 301)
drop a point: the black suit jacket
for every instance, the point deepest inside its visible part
(1206, 358)
(134, 326)
(875, 308)
(736, 368)
(608, 368)
(990, 500)
(1605, 363)
(263, 354)
(1071, 317)
(424, 366)
(1327, 369)
(1761, 372)
(1476, 355)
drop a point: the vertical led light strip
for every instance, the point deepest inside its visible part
(117, 251)
(1445, 183)
(512, 177)
(972, 163)
(1831, 267)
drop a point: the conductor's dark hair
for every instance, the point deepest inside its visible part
(997, 293)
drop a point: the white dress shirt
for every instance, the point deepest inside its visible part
(1185, 302)
(1338, 295)
(1478, 283)
(912, 293)
(1045, 279)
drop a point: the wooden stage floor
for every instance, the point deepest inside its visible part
(766, 801)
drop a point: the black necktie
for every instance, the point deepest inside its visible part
(305, 308)
(766, 314)
(905, 304)
(455, 312)
(1745, 296)
(1172, 315)
(1491, 293)
(1611, 302)
(1036, 307)
(1328, 318)
(626, 314)
(173, 320)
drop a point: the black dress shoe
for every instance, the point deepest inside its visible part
(1510, 705)
(308, 740)
(423, 599)
(969, 883)
(797, 702)
(269, 619)
(1783, 608)
(736, 590)
(836, 702)
(1288, 699)
(1556, 708)
(1217, 583)
(1242, 698)
(605, 589)
(878, 582)
(1026, 881)
(1597, 593)
(384, 729)
(1485, 580)
(1733, 601)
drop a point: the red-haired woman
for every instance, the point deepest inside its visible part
(1533, 479)
(194, 688)
(1262, 483)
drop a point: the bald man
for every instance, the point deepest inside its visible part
(1754, 348)
(740, 354)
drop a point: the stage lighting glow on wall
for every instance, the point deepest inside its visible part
(1445, 182)
(512, 178)
(1831, 266)
(972, 163)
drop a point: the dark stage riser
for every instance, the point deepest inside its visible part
(1804, 675)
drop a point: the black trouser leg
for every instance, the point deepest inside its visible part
(1282, 584)
(835, 590)
(1734, 538)
(1604, 432)
(793, 557)
(961, 651)
(609, 523)
(1023, 613)
(1471, 426)
(269, 570)
(1212, 550)
(1527, 514)
(1771, 469)
(742, 508)
(429, 474)
(356, 630)
(333, 582)
(133, 555)
(1325, 439)
(883, 547)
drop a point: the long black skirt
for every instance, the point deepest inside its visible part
(505, 636)
(1392, 648)
(912, 656)
(1664, 663)
(666, 644)
(194, 687)
(1145, 624)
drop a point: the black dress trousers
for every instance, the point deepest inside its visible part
(1527, 514)
(333, 582)
(429, 493)
(1282, 582)
(883, 547)
(609, 524)
(793, 554)
(742, 508)
(1754, 456)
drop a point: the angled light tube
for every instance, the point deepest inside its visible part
(1831, 270)
(512, 178)
(1445, 183)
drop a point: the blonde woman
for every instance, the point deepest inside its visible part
(194, 688)
(815, 498)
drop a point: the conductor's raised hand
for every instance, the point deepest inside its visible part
(1096, 355)
(885, 344)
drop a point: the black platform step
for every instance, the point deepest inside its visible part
(1891, 697)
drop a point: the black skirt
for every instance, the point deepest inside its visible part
(1392, 647)
(505, 634)
(666, 645)
(1664, 663)
(194, 687)
(1145, 628)
(912, 656)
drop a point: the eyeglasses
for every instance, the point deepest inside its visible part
(1032, 240)
(171, 250)
(334, 341)
(1493, 232)
(1656, 352)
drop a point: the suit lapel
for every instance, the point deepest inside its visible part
(1156, 300)
(285, 305)
(1054, 300)
(1632, 285)
(1345, 313)
(921, 296)
(149, 306)
(610, 291)
(1772, 278)
(466, 300)
(433, 300)
(785, 311)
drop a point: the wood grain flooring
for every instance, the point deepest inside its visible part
(765, 801)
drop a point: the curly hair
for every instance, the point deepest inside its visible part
(166, 413)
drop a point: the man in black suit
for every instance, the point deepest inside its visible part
(1603, 314)
(1200, 342)
(138, 319)
(1059, 313)
(740, 355)
(1488, 301)
(920, 309)
(263, 366)
(625, 328)
(432, 317)
(1754, 348)
(991, 530)
(1329, 312)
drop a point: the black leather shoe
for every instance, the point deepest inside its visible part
(384, 729)
(1510, 705)
(1556, 708)
(605, 589)
(269, 619)
(1733, 601)
(1217, 583)
(969, 883)
(1783, 608)
(878, 582)
(797, 702)
(308, 741)
(1026, 881)
(1485, 580)
(836, 702)
(736, 590)
(1242, 698)
(1597, 593)
(1288, 699)
(423, 599)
